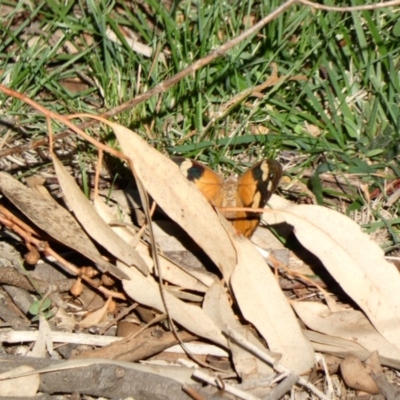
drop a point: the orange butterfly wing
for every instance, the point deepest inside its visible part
(255, 187)
(206, 180)
(252, 189)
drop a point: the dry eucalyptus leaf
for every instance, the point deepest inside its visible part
(349, 324)
(328, 344)
(92, 223)
(25, 386)
(106, 214)
(96, 317)
(354, 260)
(171, 272)
(216, 306)
(53, 219)
(146, 291)
(178, 198)
(44, 342)
(264, 305)
(324, 343)
(173, 243)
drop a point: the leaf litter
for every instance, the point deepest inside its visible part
(242, 279)
(253, 314)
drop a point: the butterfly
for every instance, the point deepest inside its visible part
(251, 190)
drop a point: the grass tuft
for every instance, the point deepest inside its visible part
(343, 118)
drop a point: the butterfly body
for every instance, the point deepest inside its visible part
(250, 190)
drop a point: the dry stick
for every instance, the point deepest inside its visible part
(60, 337)
(353, 8)
(161, 88)
(226, 107)
(273, 80)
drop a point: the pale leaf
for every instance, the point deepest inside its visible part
(217, 307)
(170, 272)
(355, 261)
(108, 216)
(334, 345)
(96, 317)
(92, 223)
(44, 340)
(264, 305)
(145, 290)
(348, 324)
